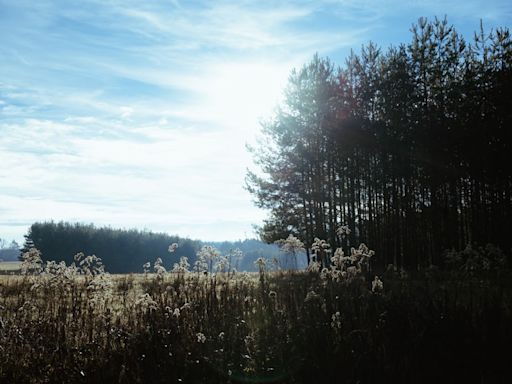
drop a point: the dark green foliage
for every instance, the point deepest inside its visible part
(122, 251)
(409, 146)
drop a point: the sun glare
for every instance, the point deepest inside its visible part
(244, 93)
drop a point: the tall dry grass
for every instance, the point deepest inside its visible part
(74, 324)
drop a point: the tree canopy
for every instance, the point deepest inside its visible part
(411, 147)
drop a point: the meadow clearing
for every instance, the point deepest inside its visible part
(72, 324)
(9, 267)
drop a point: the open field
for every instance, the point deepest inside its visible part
(7, 267)
(302, 327)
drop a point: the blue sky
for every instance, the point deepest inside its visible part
(135, 114)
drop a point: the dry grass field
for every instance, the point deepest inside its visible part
(77, 324)
(8, 267)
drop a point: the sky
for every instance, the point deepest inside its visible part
(136, 114)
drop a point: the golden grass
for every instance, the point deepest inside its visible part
(10, 266)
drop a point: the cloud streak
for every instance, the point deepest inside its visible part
(136, 114)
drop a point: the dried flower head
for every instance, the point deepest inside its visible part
(159, 268)
(377, 285)
(314, 266)
(344, 230)
(291, 244)
(260, 262)
(320, 245)
(31, 262)
(181, 267)
(146, 303)
(173, 247)
(201, 338)
(336, 320)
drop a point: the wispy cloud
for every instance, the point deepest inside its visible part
(136, 114)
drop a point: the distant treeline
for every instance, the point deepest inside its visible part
(410, 146)
(9, 252)
(253, 249)
(125, 251)
(122, 251)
